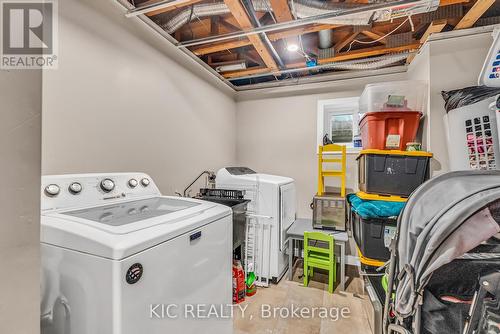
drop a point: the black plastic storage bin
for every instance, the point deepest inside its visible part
(392, 172)
(370, 234)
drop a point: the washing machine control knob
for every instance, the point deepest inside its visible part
(107, 185)
(52, 190)
(75, 188)
(132, 183)
(145, 182)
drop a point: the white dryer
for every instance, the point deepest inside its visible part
(119, 258)
(272, 209)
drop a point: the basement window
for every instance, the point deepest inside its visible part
(341, 128)
(338, 119)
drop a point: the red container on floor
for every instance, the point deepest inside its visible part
(389, 130)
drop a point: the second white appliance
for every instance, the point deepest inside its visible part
(271, 212)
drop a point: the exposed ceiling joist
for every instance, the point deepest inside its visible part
(217, 47)
(341, 44)
(434, 27)
(243, 20)
(168, 6)
(452, 2)
(281, 10)
(374, 35)
(228, 25)
(368, 52)
(479, 8)
(249, 71)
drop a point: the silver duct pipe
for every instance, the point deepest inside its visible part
(193, 12)
(325, 39)
(206, 10)
(304, 8)
(371, 64)
(358, 64)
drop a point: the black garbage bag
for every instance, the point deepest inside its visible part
(463, 97)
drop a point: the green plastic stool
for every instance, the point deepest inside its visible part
(319, 257)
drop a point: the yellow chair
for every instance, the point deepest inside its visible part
(336, 173)
(318, 257)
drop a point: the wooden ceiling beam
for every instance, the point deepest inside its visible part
(342, 43)
(281, 10)
(228, 25)
(451, 2)
(374, 35)
(369, 52)
(434, 27)
(479, 8)
(243, 20)
(218, 47)
(248, 71)
(167, 9)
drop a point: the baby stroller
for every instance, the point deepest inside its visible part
(444, 271)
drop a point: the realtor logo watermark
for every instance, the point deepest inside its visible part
(29, 34)
(228, 311)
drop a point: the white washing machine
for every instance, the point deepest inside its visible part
(271, 210)
(119, 258)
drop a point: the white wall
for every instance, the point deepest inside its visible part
(419, 69)
(277, 135)
(122, 100)
(20, 124)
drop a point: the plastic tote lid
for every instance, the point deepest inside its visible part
(397, 152)
(490, 74)
(376, 197)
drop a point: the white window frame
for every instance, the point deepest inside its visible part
(342, 105)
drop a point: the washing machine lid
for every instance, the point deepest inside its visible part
(121, 214)
(124, 228)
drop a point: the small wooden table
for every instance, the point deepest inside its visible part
(296, 232)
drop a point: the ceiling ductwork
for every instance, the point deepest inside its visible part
(354, 65)
(325, 39)
(301, 9)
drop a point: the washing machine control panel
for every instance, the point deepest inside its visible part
(79, 190)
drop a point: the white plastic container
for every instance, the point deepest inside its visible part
(490, 74)
(393, 96)
(472, 136)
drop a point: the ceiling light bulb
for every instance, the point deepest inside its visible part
(292, 47)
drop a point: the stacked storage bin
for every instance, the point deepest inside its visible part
(388, 172)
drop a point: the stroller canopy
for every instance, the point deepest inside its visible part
(443, 219)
